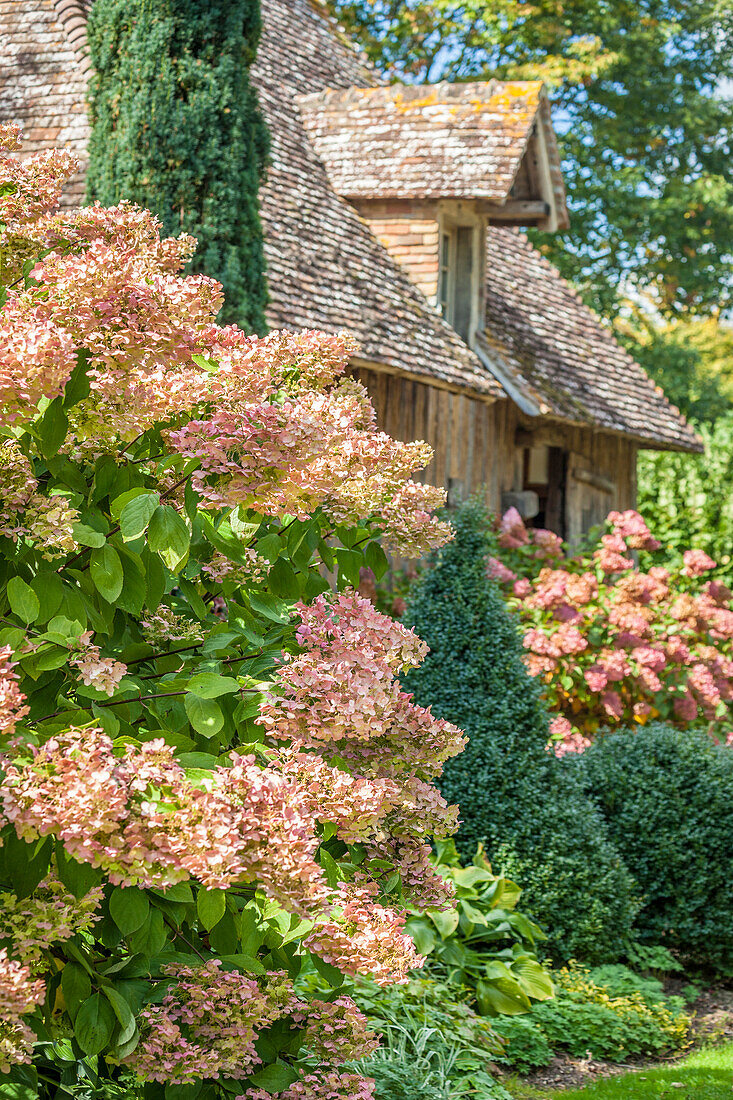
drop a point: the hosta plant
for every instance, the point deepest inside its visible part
(210, 779)
(483, 944)
(613, 643)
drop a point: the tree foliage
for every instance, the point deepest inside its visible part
(690, 498)
(176, 127)
(644, 114)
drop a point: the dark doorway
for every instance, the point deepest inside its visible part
(545, 473)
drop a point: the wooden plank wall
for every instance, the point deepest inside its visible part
(476, 451)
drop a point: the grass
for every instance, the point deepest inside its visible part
(705, 1075)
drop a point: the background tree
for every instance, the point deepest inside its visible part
(176, 127)
(644, 115)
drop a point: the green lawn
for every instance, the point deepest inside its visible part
(705, 1075)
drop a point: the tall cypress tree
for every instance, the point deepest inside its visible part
(176, 127)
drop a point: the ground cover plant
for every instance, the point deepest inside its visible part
(210, 779)
(588, 1014)
(615, 644)
(433, 1042)
(532, 815)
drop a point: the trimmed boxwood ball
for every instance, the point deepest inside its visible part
(177, 128)
(667, 798)
(531, 813)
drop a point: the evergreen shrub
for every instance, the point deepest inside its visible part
(667, 798)
(176, 127)
(531, 813)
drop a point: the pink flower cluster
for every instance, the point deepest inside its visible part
(336, 1031)
(164, 625)
(102, 673)
(340, 697)
(45, 521)
(270, 423)
(207, 1024)
(12, 700)
(222, 569)
(140, 818)
(50, 915)
(209, 1021)
(634, 645)
(19, 995)
(361, 936)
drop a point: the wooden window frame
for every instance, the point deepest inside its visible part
(449, 222)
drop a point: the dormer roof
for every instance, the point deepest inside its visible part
(490, 142)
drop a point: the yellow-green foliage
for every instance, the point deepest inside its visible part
(587, 1016)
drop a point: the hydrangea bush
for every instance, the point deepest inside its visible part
(210, 781)
(616, 644)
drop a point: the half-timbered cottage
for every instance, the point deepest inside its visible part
(396, 213)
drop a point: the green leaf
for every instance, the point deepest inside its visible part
(184, 1092)
(224, 937)
(269, 606)
(349, 563)
(15, 1088)
(106, 572)
(94, 1024)
(50, 591)
(119, 502)
(500, 994)
(77, 877)
(128, 907)
(136, 515)
(446, 922)
(168, 536)
(422, 934)
(210, 685)
(23, 601)
(87, 536)
(332, 974)
(247, 963)
(330, 867)
(180, 893)
(376, 560)
(24, 865)
(76, 986)
(211, 906)
(134, 589)
(273, 1078)
(533, 978)
(205, 715)
(52, 428)
(123, 1012)
(77, 388)
(283, 581)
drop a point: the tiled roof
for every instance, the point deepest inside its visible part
(460, 141)
(325, 267)
(561, 357)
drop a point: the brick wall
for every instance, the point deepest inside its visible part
(411, 238)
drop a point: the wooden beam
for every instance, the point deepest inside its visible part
(518, 212)
(604, 484)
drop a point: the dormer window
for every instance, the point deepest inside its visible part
(460, 275)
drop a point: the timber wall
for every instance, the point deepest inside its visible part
(479, 447)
